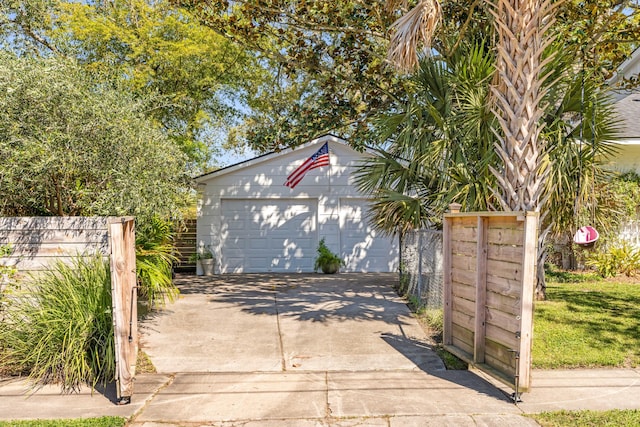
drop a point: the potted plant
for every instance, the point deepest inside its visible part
(326, 260)
(205, 262)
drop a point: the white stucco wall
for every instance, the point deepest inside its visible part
(264, 177)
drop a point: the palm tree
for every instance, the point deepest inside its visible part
(521, 28)
(439, 145)
(522, 36)
(579, 120)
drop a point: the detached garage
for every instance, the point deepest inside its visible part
(254, 223)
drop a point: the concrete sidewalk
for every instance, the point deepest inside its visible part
(382, 398)
(258, 350)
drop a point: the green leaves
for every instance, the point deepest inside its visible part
(154, 261)
(326, 61)
(604, 32)
(326, 258)
(439, 144)
(156, 50)
(71, 145)
(615, 259)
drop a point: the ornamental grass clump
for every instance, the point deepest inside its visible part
(58, 326)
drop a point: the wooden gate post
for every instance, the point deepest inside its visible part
(124, 297)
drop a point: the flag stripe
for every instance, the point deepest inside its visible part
(293, 181)
(318, 159)
(307, 166)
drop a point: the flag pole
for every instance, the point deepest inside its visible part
(329, 168)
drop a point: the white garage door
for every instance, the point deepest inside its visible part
(362, 248)
(261, 235)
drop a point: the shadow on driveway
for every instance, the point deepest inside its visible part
(255, 323)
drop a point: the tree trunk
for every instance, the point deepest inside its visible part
(521, 26)
(541, 281)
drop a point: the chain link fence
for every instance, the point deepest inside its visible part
(421, 268)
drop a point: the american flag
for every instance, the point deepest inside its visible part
(319, 158)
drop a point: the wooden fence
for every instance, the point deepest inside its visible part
(38, 242)
(124, 304)
(185, 244)
(489, 281)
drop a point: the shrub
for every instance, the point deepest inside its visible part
(326, 258)
(200, 254)
(154, 261)
(59, 326)
(619, 258)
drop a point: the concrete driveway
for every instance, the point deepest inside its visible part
(305, 350)
(310, 350)
(287, 323)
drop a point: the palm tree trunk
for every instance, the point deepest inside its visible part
(521, 27)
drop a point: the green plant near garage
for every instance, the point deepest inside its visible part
(202, 253)
(154, 261)
(58, 326)
(326, 260)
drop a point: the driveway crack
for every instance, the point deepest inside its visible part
(283, 361)
(329, 412)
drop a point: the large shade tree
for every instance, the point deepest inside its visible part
(72, 145)
(196, 78)
(328, 58)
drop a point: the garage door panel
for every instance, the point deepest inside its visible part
(362, 248)
(234, 253)
(259, 243)
(268, 235)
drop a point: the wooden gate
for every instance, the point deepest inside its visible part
(489, 281)
(124, 298)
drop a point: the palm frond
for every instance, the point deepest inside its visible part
(411, 31)
(155, 256)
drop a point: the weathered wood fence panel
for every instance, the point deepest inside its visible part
(490, 271)
(38, 242)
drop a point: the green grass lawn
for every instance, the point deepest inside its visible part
(588, 324)
(614, 418)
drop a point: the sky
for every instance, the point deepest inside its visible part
(231, 157)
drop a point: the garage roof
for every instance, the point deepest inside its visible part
(268, 156)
